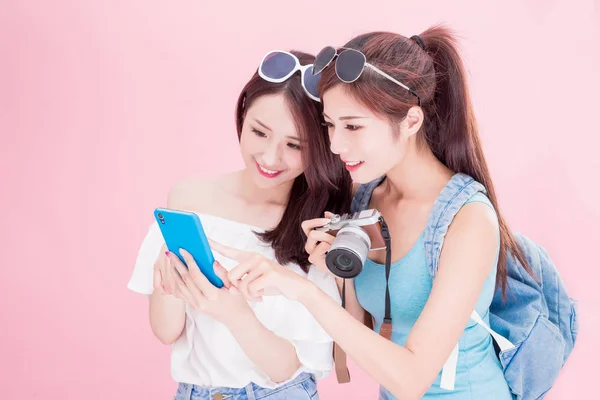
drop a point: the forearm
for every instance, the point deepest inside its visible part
(351, 302)
(167, 317)
(274, 355)
(393, 366)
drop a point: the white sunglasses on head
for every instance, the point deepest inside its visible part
(278, 66)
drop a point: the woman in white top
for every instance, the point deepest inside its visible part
(225, 347)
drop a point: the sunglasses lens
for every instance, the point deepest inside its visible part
(277, 65)
(323, 59)
(311, 82)
(349, 65)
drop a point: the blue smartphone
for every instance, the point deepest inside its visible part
(183, 230)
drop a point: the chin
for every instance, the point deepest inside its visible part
(268, 183)
(364, 176)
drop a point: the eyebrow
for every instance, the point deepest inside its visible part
(344, 118)
(263, 125)
(271, 130)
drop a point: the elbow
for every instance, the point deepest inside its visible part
(166, 336)
(409, 389)
(285, 373)
(407, 393)
(279, 378)
(167, 339)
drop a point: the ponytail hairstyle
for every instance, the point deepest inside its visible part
(429, 64)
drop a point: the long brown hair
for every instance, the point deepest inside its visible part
(436, 74)
(325, 184)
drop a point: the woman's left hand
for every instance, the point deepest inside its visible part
(256, 275)
(224, 304)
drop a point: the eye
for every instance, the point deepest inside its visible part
(327, 124)
(259, 133)
(294, 146)
(352, 127)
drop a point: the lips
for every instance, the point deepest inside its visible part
(267, 173)
(353, 165)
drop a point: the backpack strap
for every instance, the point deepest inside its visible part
(455, 194)
(448, 377)
(501, 341)
(362, 197)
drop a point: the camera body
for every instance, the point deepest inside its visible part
(356, 234)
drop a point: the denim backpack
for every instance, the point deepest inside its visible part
(535, 327)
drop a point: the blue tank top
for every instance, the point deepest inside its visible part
(479, 375)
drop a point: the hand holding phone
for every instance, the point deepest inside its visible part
(183, 230)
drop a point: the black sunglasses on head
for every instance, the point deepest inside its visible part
(350, 65)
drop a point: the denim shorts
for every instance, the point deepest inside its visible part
(303, 387)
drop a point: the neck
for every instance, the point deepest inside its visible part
(420, 176)
(253, 194)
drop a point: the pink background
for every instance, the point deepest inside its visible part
(104, 104)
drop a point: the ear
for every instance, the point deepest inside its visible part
(411, 124)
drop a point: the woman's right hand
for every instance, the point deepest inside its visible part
(167, 312)
(164, 282)
(318, 243)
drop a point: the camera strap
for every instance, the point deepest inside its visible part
(344, 293)
(339, 355)
(386, 326)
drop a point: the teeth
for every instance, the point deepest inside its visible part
(352, 163)
(268, 171)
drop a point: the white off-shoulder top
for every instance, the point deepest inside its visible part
(206, 353)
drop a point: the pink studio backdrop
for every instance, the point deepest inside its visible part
(104, 104)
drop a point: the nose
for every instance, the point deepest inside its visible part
(339, 144)
(271, 155)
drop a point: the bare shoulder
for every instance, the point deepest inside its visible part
(196, 193)
(472, 235)
(475, 218)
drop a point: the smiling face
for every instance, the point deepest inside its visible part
(270, 144)
(365, 142)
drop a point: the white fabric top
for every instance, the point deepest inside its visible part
(206, 353)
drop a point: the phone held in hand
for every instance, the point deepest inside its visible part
(183, 230)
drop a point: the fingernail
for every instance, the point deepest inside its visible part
(167, 253)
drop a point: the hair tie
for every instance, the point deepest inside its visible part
(419, 41)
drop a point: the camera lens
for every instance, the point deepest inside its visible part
(348, 252)
(160, 216)
(344, 262)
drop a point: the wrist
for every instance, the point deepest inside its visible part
(309, 292)
(242, 321)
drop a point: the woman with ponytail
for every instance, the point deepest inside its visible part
(400, 118)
